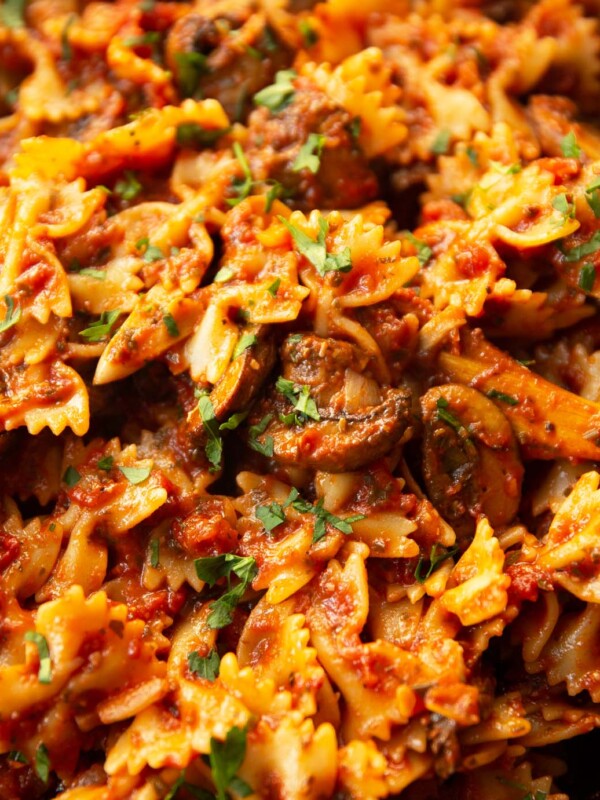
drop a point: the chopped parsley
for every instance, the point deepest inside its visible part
(65, 44)
(151, 251)
(506, 169)
(309, 156)
(154, 553)
(102, 327)
(206, 667)
(214, 445)
(147, 39)
(435, 560)
(13, 13)
(242, 186)
(472, 155)
(105, 463)
(279, 94)
(509, 399)
(316, 251)
(225, 758)
(42, 763)
(264, 448)
(71, 476)
(234, 421)
(136, 475)
(244, 342)
(354, 127)
(445, 416)
(299, 396)
(271, 516)
(569, 146)
(424, 252)
(564, 207)
(211, 569)
(587, 277)
(309, 35)
(586, 249)
(192, 135)
(17, 755)
(275, 192)
(12, 315)
(128, 187)
(92, 272)
(441, 143)
(274, 287)
(190, 68)
(223, 275)
(171, 325)
(45, 669)
(592, 195)
(323, 517)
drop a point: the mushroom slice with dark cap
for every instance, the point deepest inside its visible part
(326, 412)
(242, 379)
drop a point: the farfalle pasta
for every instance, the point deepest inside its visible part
(299, 399)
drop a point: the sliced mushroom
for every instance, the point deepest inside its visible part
(242, 380)
(471, 464)
(353, 421)
(245, 375)
(229, 68)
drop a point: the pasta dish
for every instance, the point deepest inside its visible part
(299, 399)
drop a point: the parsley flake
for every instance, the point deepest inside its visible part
(45, 668)
(194, 136)
(279, 94)
(136, 475)
(154, 553)
(309, 35)
(244, 342)
(592, 195)
(214, 445)
(190, 68)
(309, 156)
(12, 315)
(211, 569)
(92, 272)
(242, 186)
(316, 251)
(323, 517)
(206, 667)
(234, 421)
(13, 13)
(271, 516)
(509, 399)
(299, 396)
(102, 327)
(65, 44)
(569, 146)
(105, 463)
(274, 287)
(441, 143)
(171, 325)
(264, 448)
(128, 187)
(424, 252)
(151, 251)
(225, 758)
(42, 763)
(561, 204)
(435, 561)
(445, 416)
(71, 476)
(586, 249)
(587, 277)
